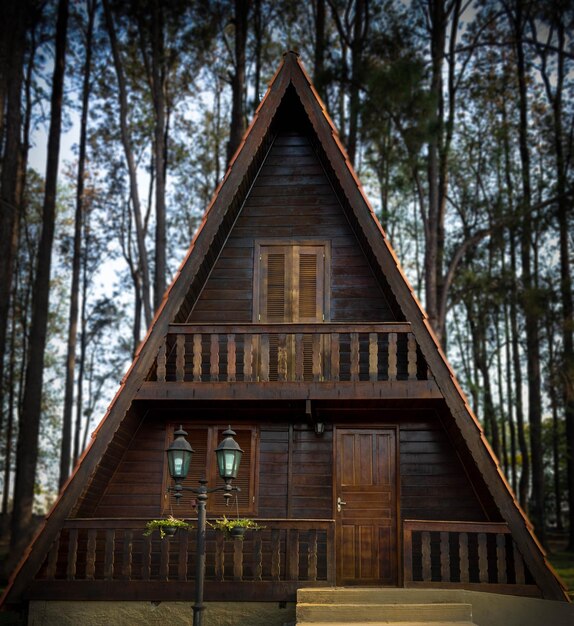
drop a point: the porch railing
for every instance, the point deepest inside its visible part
(464, 554)
(289, 352)
(277, 559)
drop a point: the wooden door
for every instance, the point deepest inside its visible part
(367, 514)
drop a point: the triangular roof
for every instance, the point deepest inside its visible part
(218, 219)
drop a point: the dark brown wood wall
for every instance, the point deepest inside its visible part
(295, 474)
(291, 198)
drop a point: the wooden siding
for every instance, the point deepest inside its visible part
(295, 474)
(291, 198)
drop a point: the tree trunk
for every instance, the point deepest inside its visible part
(319, 51)
(66, 448)
(131, 165)
(27, 451)
(238, 79)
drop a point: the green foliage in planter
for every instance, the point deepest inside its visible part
(228, 525)
(163, 524)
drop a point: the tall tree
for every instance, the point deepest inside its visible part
(29, 425)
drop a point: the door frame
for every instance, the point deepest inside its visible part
(398, 530)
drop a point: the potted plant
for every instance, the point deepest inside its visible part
(235, 528)
(167, 527)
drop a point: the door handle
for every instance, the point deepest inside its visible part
(340, 503)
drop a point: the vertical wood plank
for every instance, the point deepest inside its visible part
(463, 557)
(180, 358)
(335, 358)
(444, 557)
(161, 362)
(91, 553)
(214, 358)
(482, 558)
(53, 558)
(373, 357)
(501, 558)
(72, 554)
(109, 554)
(146, 558)
(264, 366)
(412, 356)
(164, 560)
(257, 557)
(238, 559)
(231, 358)
(282, 357)
(247, 358)
(426, 555)
(354, 357)
(407, 556)
(183, 536)
(518, 566)
(312, 556)
(292, 557)
(219, 556)
(126, 571)
(197, 349)
(316, 347)
(275, 554)
(392, 371)
(299, 357)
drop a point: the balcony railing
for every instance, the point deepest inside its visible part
(328, 352)
(469, 555)
(112, 558)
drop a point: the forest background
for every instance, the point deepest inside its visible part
(118, 119)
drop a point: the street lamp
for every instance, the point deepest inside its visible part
(179, 454)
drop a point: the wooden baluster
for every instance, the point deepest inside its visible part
(146, 558)
(247, 358)
(299, 357)
(127, 555)
(264, 368)
(72, 554)
(231, 356)
(219, 556)
(335, 358)
(53, 559)
(312, 556)
(109, 554)
(316, 347)
(354, 357)
(463, 556)
(518, 566)
(180, 358)
(407, 556)
(257, 557)
(501, 558)
(412, 356)
(292, 554)
(444, 557)
(482, 558)
(164, 560)
(238, 559)
(426, 555)
(183, 536)
(91, 553)
(373, 357)
(392, 371)
(282, 357)
(214, 358)
(275, 554)
(161, 362)
(197, 350)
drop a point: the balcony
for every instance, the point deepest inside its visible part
(286, 361)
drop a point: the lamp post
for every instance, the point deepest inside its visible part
(179, 455)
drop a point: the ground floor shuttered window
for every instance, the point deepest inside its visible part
(204, 440)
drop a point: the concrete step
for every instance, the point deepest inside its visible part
(360, 612)
(386, 623)
(372, 595)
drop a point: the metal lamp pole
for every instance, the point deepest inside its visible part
(179, 458)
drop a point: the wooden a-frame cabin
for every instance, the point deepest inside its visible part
(291, 320)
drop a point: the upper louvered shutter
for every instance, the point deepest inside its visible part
(273, 306)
